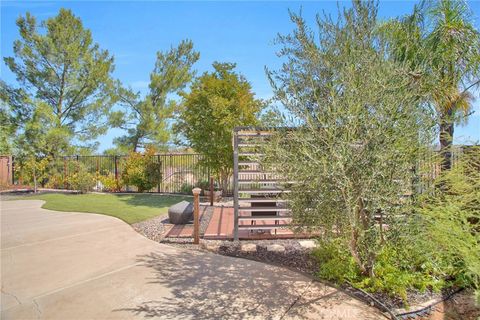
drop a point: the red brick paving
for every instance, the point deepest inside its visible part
(221, 228)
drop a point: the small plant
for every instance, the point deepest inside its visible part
(33, 170)
(55, 181)
(141, 171)
(186, 188)
(109, 183)
(81, 180)
(204, 185)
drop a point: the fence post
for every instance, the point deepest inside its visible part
(12, 167)
(116, 169)
(196, 215)
(77, 166)
(159, 173)
(65, 185)
(211, 191)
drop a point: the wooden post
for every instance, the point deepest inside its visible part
(211, 191)
(196, 215)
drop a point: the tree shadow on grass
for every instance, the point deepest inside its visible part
(208, 286)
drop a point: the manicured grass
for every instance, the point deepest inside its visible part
(130, 208)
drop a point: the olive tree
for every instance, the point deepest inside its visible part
(356, 128)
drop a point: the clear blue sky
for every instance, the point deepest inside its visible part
(240, 32)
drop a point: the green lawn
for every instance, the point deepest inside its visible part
(130, 208)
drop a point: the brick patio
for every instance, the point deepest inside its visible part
(221, 224)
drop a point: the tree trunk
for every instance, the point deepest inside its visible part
(446, 140)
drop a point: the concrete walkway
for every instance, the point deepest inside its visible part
(58, 265)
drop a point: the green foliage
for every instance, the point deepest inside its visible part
(204, 185)
(55, 181)
(440, 45)
(186, 188)
(141, 171)
(432, 249)
(356, 138)
(32, 170)
(218, 102)
(109, 183)
(399, 268)
(64, 83)
(451, 219)
(146, 120)
(335, 262)
(81, 180)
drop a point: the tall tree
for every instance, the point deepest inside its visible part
(218, 102)
(442, 47)
(359, 129)
(64, 79)
(146, 120)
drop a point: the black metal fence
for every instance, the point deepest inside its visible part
(179, 172)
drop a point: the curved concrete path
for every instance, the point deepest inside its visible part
(58, 265)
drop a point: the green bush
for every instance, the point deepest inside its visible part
(186, 188)
(434, 248)
(335, 263)
(204, 185)
(141, 171)
(398, 269)
(55, 181)
(450, 218)
(109, 183)
(81, 180)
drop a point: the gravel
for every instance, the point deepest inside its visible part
(156, 228)
(294, 256)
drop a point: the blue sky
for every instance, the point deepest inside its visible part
(240, 32)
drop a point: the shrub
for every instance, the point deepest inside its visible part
(186, 188)
(434, 248)
(398, 269)
(141, 171)
(450, 218)
(356, 138)
(55, 181)
(81, 180)
(335, 263)
(109, 183)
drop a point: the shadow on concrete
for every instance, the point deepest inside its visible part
(207, 286)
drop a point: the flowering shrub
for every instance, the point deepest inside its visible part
(141, 171)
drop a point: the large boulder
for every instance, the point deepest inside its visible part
(180, 213)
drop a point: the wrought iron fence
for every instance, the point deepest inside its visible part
(180, 172)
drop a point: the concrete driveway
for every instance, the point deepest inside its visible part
(58, 265)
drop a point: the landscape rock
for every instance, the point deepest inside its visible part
(180, 213)
(307, 244)
(275, 248)
(249, 247)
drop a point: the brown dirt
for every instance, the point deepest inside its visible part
(460, 306)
